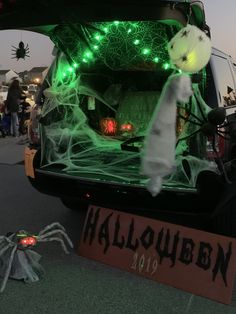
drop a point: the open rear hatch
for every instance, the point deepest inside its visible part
(102, 90)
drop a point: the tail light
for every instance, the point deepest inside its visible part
(219, 147)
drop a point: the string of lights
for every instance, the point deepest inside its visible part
(120, 46)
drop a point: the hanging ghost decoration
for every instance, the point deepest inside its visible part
(158, 158)
(190, 49)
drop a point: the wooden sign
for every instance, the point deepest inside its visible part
(195, 261)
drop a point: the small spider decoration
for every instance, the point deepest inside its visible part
(21, 52)
(19, 261)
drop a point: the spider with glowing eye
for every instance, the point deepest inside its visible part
(21, 52)
(19, 261)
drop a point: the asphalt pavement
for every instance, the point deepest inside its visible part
(73, 284)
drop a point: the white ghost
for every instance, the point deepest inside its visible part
(158, 158)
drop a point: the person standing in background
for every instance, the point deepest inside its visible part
(13, 101)
(1, 119)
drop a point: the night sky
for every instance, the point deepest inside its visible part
(220, 16)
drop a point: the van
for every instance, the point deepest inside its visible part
(96, 103)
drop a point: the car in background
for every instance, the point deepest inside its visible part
(32, 89)
(3, 93)
(24, 88)
(32, 92)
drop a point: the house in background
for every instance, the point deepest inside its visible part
(6, 76)
(37, 74)
(24, 76)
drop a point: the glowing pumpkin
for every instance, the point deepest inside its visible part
(190, 49)
(126, 127)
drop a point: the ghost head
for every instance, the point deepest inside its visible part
(190, 49)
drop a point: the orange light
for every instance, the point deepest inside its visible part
(127, 127)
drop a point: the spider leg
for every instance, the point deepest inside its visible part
(15, 47)
(222, 136)
(51, 226)
(192, 114)
(8, 269)
(5, 248)
(4, 239)
(226, 124)
(224, 132)
(188, 120)
(188, 136)
(26, 47)
(56, 239)
(202, 114)
(56, 232)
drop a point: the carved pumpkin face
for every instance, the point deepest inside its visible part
(108, 126)
(127, 127)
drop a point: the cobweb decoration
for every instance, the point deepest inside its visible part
(72, 140)
(130, 45)
(114, 45)
(72, 143)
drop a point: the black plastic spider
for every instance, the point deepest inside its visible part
(21, 52)
(212, 125)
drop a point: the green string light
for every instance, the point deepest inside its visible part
(146, 51)
(166, 66)
(120, 44)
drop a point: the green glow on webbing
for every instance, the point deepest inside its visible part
(122, 43)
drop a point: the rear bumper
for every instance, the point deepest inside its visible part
(175, 207)
(179, 206)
